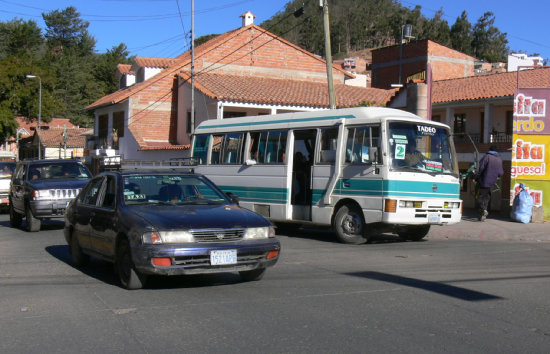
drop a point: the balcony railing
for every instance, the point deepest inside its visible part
(495, 137)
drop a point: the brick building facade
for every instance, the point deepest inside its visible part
(412, 59)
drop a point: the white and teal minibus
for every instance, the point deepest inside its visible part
(359, 170)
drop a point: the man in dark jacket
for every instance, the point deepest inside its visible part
(490, 168)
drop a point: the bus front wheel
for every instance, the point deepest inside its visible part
(349, 225)
(414, 233)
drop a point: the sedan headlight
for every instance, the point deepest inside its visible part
(254, 233)
(167, 237)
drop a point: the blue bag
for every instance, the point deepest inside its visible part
(522, 208)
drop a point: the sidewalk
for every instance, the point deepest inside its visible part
(495, 227)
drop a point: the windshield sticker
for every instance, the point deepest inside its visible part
(401, 141)
(426, 130)
(434, 166)
(135, 196)
(400, 151)
(395, 136)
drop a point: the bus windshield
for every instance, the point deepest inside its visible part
(421, 147)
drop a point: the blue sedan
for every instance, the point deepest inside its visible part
(166, 223)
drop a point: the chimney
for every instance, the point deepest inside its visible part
(248, 18)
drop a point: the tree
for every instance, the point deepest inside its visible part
(461, 34)
(19, 37)
(488, 42)
(437, 29)
(106, 64)
(71, 58)
(65, 30)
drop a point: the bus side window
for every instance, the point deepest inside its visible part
(253, 152)
(261, 147)
(200, 150)
(231, 148)
(375, 143)
(216, 149)
(329, 140)
(362, 143)
(276, 145)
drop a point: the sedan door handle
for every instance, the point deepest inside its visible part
(345, 184)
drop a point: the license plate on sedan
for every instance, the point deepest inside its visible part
(222, 257)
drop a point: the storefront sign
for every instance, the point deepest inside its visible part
(530, 113)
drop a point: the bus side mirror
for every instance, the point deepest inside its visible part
(373, 154)
(233, 198)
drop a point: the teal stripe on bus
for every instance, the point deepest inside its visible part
(422, 189)
(266, 122)
(258, 194)
(357, 187)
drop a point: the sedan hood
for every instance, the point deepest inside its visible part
(69, 183)
(178, 217)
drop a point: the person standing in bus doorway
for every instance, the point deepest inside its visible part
(490, 169)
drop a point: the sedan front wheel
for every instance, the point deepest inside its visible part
(129, 277)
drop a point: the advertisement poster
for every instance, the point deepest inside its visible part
(531, 146)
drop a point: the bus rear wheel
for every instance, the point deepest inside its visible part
(349, 225)
(414, 233)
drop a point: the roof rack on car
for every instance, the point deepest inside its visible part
(185, 163)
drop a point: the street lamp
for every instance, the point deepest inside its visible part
(39, 108)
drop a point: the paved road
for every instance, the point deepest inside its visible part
(440, 295)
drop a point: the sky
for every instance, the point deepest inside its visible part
(161, 28)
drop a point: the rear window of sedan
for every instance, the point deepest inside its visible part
(166, 188)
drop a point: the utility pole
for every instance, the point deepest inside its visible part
(328, 55)
(39, 108)
(192, 66)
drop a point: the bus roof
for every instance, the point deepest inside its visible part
(310, 119)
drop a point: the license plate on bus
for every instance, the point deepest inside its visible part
(222, 257)
(434, 219)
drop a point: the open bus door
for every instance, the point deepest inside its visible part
(301, 189)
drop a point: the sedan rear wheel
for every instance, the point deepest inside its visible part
(15, 218)
(129, 277)
(33, 224)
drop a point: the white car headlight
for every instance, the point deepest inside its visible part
(253, 233)
(41, 194)
(167, 237)
(176, 236)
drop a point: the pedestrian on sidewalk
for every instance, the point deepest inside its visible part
(490, 169)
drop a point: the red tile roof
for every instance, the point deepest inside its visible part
(151, 62)
(184, 59)
(31, 124)
(285, 92)
(125, 69)
(54, 137)
(488, 86)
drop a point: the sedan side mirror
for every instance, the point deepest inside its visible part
(233, 198)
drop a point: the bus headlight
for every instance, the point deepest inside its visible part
(410, 204)
(452, 205)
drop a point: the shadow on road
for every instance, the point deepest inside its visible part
(104, 272)
(436, 287)
(45, 224)
(325, 234)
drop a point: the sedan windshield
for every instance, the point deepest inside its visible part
(170, 189)
(421, 148)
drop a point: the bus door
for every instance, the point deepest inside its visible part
(301, 190)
